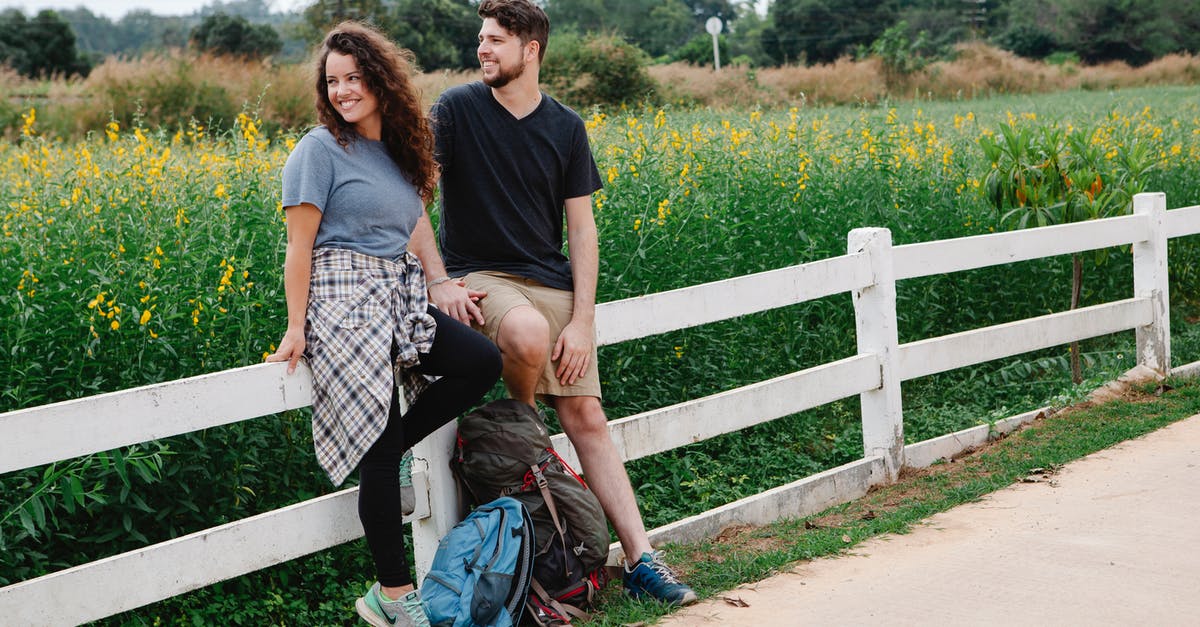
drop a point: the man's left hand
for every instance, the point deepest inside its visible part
(572, 351)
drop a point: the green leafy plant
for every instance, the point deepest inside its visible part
(901, 57)
(1046, 175)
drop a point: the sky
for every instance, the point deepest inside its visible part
(115, 9)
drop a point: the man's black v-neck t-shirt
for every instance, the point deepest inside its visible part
(504, 182)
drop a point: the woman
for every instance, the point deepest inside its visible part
(354, 191)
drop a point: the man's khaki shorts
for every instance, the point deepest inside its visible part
(505, 291)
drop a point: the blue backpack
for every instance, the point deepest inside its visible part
(481, 572)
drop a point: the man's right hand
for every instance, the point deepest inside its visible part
(458, 302)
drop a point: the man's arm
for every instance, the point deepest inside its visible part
(573, 348)
(451, 296)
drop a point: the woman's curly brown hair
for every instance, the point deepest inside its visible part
(385, 69)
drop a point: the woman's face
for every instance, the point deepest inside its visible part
(349, 96)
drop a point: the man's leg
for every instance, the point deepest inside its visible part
(584, 422)
(645, 574)
(524, 332)
(524, 342)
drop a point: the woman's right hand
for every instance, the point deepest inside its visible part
(291, 349)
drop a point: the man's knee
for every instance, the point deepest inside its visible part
(524, 334)
(581, 416)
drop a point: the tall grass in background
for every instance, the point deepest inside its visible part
(976, 70)
(140, 255)
(169, 89)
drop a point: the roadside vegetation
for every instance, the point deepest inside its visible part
(143, 250)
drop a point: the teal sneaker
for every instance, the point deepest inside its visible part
(408, 498)
(379, 611)
(649, 576)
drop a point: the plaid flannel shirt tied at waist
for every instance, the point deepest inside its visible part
(359, 308)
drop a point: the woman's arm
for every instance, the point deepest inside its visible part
(451, 296)
(302, 223)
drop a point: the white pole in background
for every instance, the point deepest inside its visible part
(713, 26)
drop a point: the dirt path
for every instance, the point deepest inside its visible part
(1112, 539)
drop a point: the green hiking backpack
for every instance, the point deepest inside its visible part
(504, 449)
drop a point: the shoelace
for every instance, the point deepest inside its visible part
(412, 607)
(664, 571)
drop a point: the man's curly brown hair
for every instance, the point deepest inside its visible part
(385, 69)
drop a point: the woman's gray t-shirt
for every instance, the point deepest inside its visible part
(367, 203)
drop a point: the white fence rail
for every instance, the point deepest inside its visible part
(41, 435)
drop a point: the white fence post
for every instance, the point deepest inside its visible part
(434, 452)
(875, 322)
(1150, 281)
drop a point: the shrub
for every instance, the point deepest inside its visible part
(1062, 58)
(234, 35)
(1028, 40)
(900, 56)
(597, 70)
(699, 51)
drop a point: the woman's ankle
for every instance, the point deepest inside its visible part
(395, 593)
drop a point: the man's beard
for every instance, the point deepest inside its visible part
(504, 77)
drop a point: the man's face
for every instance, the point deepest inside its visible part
(501, 55)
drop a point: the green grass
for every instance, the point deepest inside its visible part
(748, 555)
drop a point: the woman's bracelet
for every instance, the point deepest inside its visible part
(437, 281)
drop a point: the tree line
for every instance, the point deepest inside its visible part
(442, 33)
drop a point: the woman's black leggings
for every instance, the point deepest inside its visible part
(469, 364)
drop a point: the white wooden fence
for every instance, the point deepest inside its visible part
(869, 270)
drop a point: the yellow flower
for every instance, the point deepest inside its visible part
(30, 118)
(115, 325)
(145, 317)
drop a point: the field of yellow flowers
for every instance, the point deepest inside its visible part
(157, 252)
(140, 255)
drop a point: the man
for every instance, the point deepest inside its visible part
(513, 162)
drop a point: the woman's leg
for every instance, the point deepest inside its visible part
(469, 365)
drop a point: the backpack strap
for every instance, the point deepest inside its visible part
(567, 467)
(544, 488)
(564, 609)
(467, 496)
